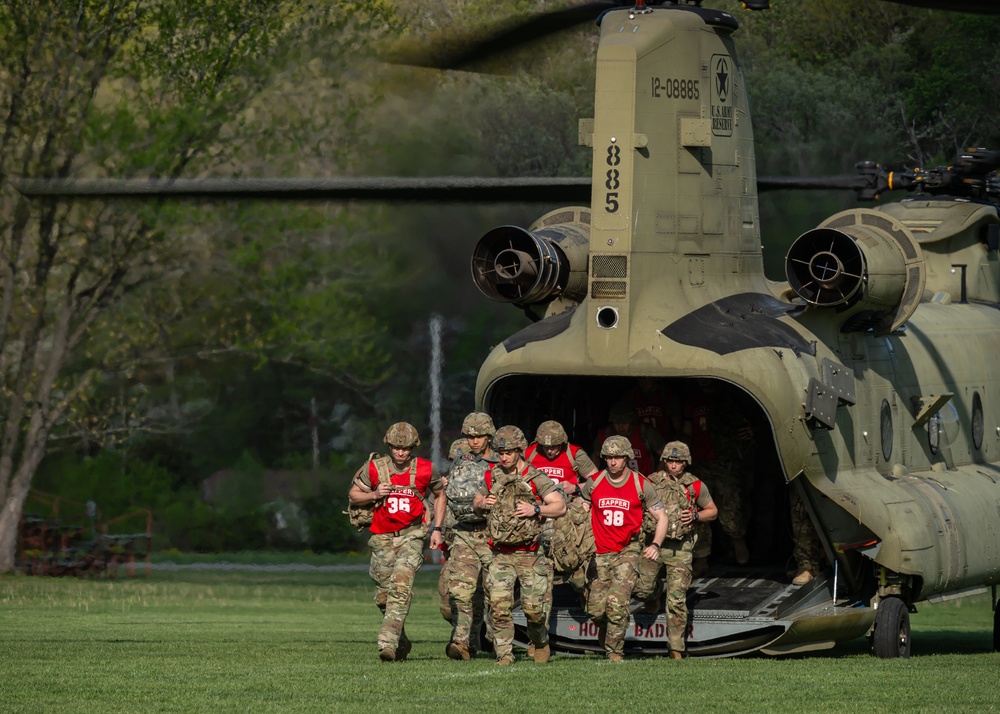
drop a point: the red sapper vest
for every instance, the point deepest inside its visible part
(404, 506)
(527, 547)
(643, 461)
(701, 436)
(616, 512)
(559, 469)
(652, 409)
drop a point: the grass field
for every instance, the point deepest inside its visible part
(195, 641)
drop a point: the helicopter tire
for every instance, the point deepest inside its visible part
(891, 637)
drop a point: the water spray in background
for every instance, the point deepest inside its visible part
(435, 379)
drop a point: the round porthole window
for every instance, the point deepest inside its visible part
(934, 433)
(977, 421)
(886, 430)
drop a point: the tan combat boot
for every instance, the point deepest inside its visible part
(542, 654)
(456, 650)
(615, 657)
(505, 660)
(804, 576)
(674, 654)
(387, 654)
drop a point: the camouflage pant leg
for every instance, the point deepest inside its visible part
(678, 566)
(531, 571)
(723, 480)
(471, 556)
(611, 592)
(808, 552)
(647, 583)
(702, 540)
(445, 606)
(395, 561)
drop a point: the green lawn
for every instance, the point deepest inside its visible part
(194, 641)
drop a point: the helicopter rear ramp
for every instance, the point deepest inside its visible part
(730, 612)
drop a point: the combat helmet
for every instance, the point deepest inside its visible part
(509, 437)
(676, 451)
(458, 449)
(617, 446)
(402, 435)
(478, 424)
(622, 413)
(551, 433)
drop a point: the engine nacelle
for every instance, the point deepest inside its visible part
(527, 267)
(862, 262)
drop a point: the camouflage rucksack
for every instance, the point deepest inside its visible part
(677, 497)
(502, 522)
(572, 540)
(361, 515)
(464, 479)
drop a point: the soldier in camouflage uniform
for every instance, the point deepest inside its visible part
(471, 554)
(516, 556)
(459, 447)
(618, 499)
(687, 502)
(808, 552)
(721, 439)
(398, 530)
(569, 466)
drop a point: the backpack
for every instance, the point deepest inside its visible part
(677, 497)
(572, 542)
(464, 479)
(361, 515)
(502, 522)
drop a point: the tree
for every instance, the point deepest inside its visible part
(121, 88)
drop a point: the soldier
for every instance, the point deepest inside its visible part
(397, 486)
(644, 439)
(687, 502)
(618, 498)
(568, 466)
(471, 554)
(459, 447)
(807, 551)
(654, 406)
(719, 434)
(516, 497)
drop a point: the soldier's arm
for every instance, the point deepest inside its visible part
(652, 551)
(362, 492)
(553, 505)
(707, 513)
(584, 465)
(483, 501)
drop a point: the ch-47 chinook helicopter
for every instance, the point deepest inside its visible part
(866, 376)
(868, 371)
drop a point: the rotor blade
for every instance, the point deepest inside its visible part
(449, 189)
(456, 52)
(978, 7)
(851, 182)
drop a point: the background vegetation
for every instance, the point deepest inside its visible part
(257, 352)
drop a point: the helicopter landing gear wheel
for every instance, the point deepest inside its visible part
(891, 637)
